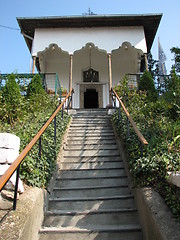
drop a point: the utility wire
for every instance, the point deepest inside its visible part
(9, 27)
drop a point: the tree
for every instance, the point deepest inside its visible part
(11, 100)
(147, 84)
(35, 87)
(172, 94)
(176, 52)
(152, 65)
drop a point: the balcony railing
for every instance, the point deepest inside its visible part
(160, 81)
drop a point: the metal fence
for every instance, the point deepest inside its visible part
(160, 82)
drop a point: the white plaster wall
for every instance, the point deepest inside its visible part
(71, 39)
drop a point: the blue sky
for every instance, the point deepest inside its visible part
(15, 56)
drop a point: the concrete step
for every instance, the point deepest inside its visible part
(95, 181)
(85, 127)
(90, 173)
(90, 134)
(91, 203)
(91, 165)
(91, 138)
(94, 131)
(91, 191)
(99, 111)
(91, 142)
(92, 122)
(91, 113)
(82, 159)
(86, 153)
(91, 116)
(90, 218)
(119, 232)
(70, 147)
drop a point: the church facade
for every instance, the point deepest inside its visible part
(90, 54)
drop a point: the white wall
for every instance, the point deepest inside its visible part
(72, 39)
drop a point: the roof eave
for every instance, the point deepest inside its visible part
(150, 22)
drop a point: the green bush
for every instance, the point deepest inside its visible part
(36, 110)
(11, 100)
(172, 95)
(35, 87)
(147, 84)
(162, 154)
(37, 171)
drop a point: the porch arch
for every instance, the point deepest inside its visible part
(126, 59)
(54, 60)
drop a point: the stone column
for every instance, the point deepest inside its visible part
(110, 75)
(70, 71)
(146, 61)
(34, 62)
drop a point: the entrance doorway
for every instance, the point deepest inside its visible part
(91, 99)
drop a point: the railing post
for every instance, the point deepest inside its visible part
(114, 101)
(40, 148)
(71, 101)
(141, 149)
(119, 112)
(16, 188)
(127, 127)
(62, 112)
(56, 84)
(55, 129)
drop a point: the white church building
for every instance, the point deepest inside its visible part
(91, 53)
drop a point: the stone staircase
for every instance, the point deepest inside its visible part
(90, 198)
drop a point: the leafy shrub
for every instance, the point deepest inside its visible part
(36, 109)
(163, 151)
(35, 86)
(147, 84)
(37, 171)
(172, 95)
(11, 101)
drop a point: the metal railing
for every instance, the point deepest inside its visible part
(23, 80)
(57, 85)
(143, 141)
(15, 166)
(160, 81)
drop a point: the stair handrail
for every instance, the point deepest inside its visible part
(137, 131)
(15, 166)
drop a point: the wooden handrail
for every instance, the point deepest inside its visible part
(9, 172)
(139, 134)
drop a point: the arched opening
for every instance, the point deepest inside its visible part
(91, 99)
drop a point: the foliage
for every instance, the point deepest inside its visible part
(176, 52)
(35, 87)
(11, 101)
(152, 65)
(161, 130)
(123, 90)
(36, 109)
(172, 94)
(147, 84)
(35, 170)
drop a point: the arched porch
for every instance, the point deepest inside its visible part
(90, 71)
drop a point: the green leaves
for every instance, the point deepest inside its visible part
(37, 171)
(11, 101)
(147, 84)
(161, 130)
(24, 116)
